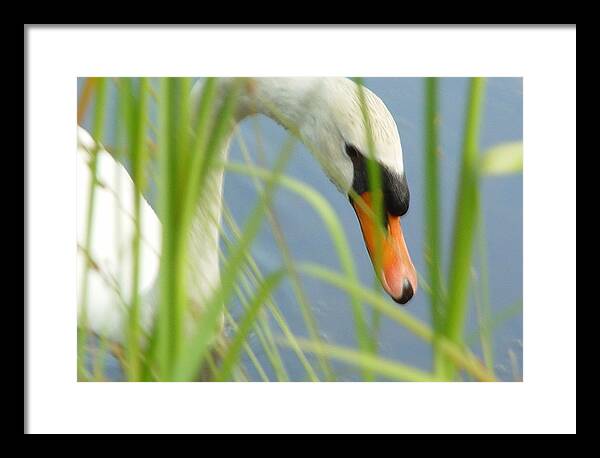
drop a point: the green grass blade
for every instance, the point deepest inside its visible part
(465, 221)
(459, 356)
(433, 253)
(168, 214)
(498, 320)
(376, 194)
(374, 176)
(335, 231)
(197, 349)
(503, 159)
(375, 319)
(97, 131)
(247, 349)
(368, 362)
(305, 308)
(100, 356)
(484, 308)
(181, 138)
(255, 276)
(235, 346)
(137, 136)
(244, 289)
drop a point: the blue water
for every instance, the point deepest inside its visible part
(308, 240)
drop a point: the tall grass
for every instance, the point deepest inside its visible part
(184, 345)
(97, 130)
(433, 255)
(465, 228)
(137, 121)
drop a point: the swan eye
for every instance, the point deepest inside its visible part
(360, 180)
(395, 187)
(352, 151)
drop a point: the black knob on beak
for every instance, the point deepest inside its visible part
(407, 292)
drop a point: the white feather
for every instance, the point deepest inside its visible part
(110, 276)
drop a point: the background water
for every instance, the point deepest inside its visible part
(502, 200)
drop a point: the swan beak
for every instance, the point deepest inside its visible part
(396, 270)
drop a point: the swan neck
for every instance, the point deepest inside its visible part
(203, 243)
(281, 99)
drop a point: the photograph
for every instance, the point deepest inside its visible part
(299, 229)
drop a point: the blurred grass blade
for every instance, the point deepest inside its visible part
(375, 194)
(465, 220)
(246, 324)
(368, 362)
(184, 174)
(503, 159)
(247, 349)
(198, 346)
(172, 276)
(256, 277)
(137, 112)
(373, 175)
(249, 279)
(335, 230)
(433, 253)
(97, 134)
(484, 308)
(305, 308)
(460, 357)
(498, 319)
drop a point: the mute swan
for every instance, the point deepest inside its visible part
(328, 117)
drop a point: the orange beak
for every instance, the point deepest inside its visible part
(390, 259)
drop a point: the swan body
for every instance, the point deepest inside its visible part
(326, 115)
(110, 283)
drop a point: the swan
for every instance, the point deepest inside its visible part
(328, 119)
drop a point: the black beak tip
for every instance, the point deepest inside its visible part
(407, 293)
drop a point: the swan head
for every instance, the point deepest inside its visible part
(331, 115)
(355, 156)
